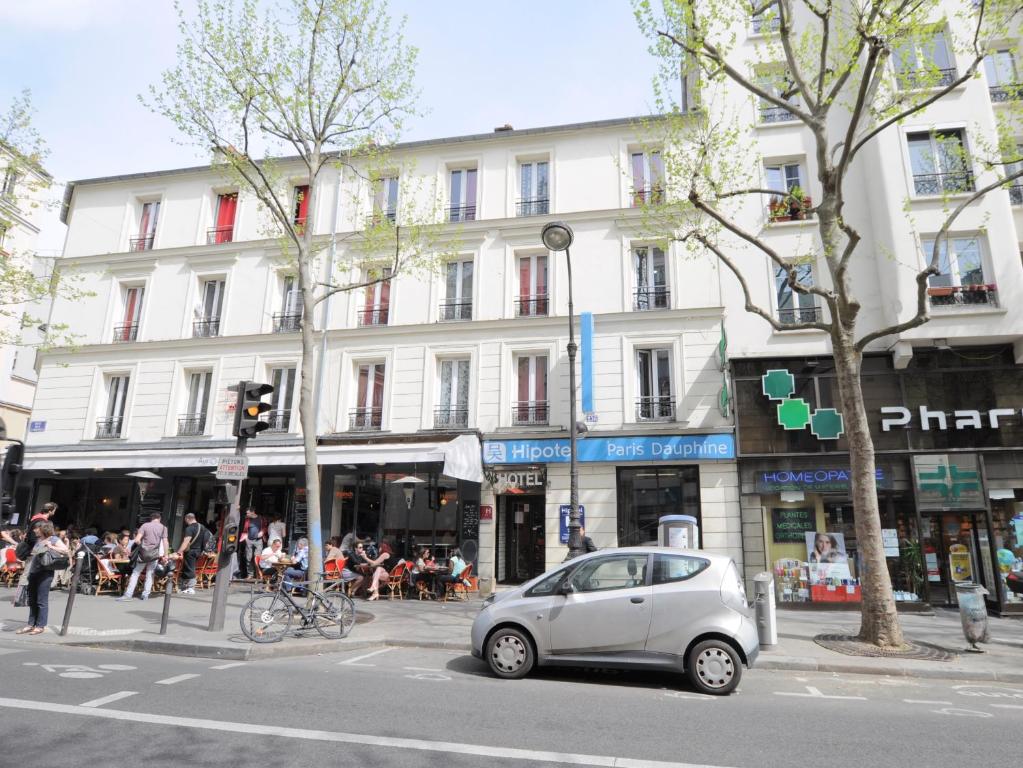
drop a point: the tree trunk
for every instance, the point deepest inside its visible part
(879, 623)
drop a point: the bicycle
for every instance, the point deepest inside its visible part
(267, 618)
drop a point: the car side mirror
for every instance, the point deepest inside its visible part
(566, 588)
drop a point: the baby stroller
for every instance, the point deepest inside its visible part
(87, 577)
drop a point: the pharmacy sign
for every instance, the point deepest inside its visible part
(794, 413)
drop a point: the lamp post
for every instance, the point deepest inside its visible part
(558, 236)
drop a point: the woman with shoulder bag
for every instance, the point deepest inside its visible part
(48, 554)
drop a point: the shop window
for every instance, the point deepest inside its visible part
(645, 494)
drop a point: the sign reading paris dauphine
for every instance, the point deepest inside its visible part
(594, 449)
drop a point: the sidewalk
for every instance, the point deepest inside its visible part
(102, 622)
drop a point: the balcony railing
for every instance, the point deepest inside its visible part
(374, 314)
(761, 23)
(126, 332)
(964, 295)
(108, 429)
(943, 183)
(794, 315)
(141, 243)
(530, 413)
(377, 218)
(531, 306)
(535, 206)
(279, 421)
(1008, 92)
(651, 298)
(910, 79)
(191, 424)
(774, 114)
(647, 196)
(451, 418)
(462, 213)
(287, 323)
(218, 235)
(1016, 194)
(365, 419)
(206, 328)
(655, 409)
(456, 310)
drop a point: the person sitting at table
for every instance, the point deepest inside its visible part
(422, 571)
(123, 549)
(109, 544)
(369, 568)
(457, 566)
(333, 551)
(270, 556)
(299, 568)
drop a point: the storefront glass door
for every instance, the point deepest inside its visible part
(524, 529)
(951, 543)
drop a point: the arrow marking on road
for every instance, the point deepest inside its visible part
(814, 693)
(109, 699)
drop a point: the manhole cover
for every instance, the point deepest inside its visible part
(850, 645)
(362, 617)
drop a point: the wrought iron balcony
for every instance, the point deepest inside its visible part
(531, 306)
(774, 114)
(365, 419)
(762, 23)
(191, 424)
(462, 213)
(963, 295)
(1016, 194)
(793, 315)
(655, 409)
(374, 314)
(108, 429)
(647, 196)
(456, 310)
(651, 298)
(141, 243)
(1007, 92)
(279, 421)
(287, 323)
(451, 418)
(126, 332)
(530, 413)
(377, 218)
(925, 78)
(218, 235)
(533, 206)
(206, 328)
(943, 183)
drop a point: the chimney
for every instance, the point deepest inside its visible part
(503, 128)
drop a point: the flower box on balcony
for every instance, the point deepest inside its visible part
(790, 208)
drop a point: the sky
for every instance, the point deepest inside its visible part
(482, 63)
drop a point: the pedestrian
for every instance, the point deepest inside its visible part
(588, 545)
(253, 534)
(46, 512)
(39, 579)
(151, 543)
(192, 542)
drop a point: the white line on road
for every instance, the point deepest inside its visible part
(109, 699)
(359, 739)
(178, 679)
(423, 669)
(926, 701)
(232, 665)
(815, 693)
(1008, 706)
(354, 662)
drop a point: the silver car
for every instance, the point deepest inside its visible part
(637, 607)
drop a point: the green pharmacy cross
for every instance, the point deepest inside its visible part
(794, 412)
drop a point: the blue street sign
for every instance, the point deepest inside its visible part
(37, 426)
(611, 449)
(566, 510)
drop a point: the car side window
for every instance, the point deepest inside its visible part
(671, 568)
(548, 585)
(615, 572)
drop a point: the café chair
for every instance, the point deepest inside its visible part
(459, 589)
(109, 580)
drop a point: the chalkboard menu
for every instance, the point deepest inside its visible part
(470, 521)
(789, 525)
(300, 519)
(153, 502)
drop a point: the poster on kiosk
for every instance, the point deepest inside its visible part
(678, 532)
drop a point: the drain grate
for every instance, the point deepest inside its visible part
(850, 645)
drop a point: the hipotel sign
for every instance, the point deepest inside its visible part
(794, 412)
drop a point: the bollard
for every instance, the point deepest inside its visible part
(972, 613)
(72, 591)
(763, 598)
(168, 590)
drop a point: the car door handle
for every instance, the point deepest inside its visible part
(637, 600)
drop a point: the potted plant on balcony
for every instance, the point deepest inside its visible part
(798, 203)
(778, 209)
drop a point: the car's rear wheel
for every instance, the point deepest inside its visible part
(714, 667)
(510, 653)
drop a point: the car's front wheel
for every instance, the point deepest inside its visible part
(510, 653)
(714, 667)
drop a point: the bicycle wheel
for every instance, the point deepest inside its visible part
(266, 618)
(335, 615)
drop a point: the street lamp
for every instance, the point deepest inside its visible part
(557, 236)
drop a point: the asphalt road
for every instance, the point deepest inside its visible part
(407, 707)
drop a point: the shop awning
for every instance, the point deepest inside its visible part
(461, 457)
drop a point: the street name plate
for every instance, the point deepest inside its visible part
(233, 468)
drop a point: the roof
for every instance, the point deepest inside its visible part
(497, 134)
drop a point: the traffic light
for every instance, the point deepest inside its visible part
(250, 406)
(230, 545)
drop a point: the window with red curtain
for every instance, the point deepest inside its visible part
(378, 299)
(370, 396)
(533, 285)
(227, 206)
(301, 206)
(532, 389)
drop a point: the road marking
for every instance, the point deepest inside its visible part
(80, 671)
(423, 669)
(109, 699)
(925, 701)
(815, 693)
(1008, 706)
(232, 665)
(354, 662)
(357, 739)
(178, 679)
(961, 712)
(697, 696)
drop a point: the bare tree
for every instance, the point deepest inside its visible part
(827, 64)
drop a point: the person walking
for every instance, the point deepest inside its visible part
(39, 579)
(192, 543)
(253, 535)
(151, 541)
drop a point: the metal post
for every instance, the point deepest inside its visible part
(168, 590)
(72, 591)
(575, 539)
(223, 582)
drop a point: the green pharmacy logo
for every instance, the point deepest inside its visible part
(794, 412)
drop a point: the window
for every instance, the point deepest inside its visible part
(939, 162)
(924, 62)
(1003, 76)
(279, 416)
(463, 195)
(4, 228)
(11, 177)
(453, 403)
(534, 195)
(147, 227)
(289, 319)
(223, 230)
(779, 85)
(369, 404)
(1015, 190)
(672, 568)
(532, 300)
(193, 420)
(768, 20)
(651, 280)
(131, 313)
(548, 585)
(614, 572)
(960, 280)
(653, 384)
(647, 178)
(377, 297)
(795, 307)
(207, 313)
(385, 200)
(645, 494)
(786, 177)
(113, 419)
(301, 213)
(531, 386)
(457, 291)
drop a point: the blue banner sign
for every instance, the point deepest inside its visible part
(611, 449)
(565, 511)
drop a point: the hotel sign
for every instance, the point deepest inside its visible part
(611, 449)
